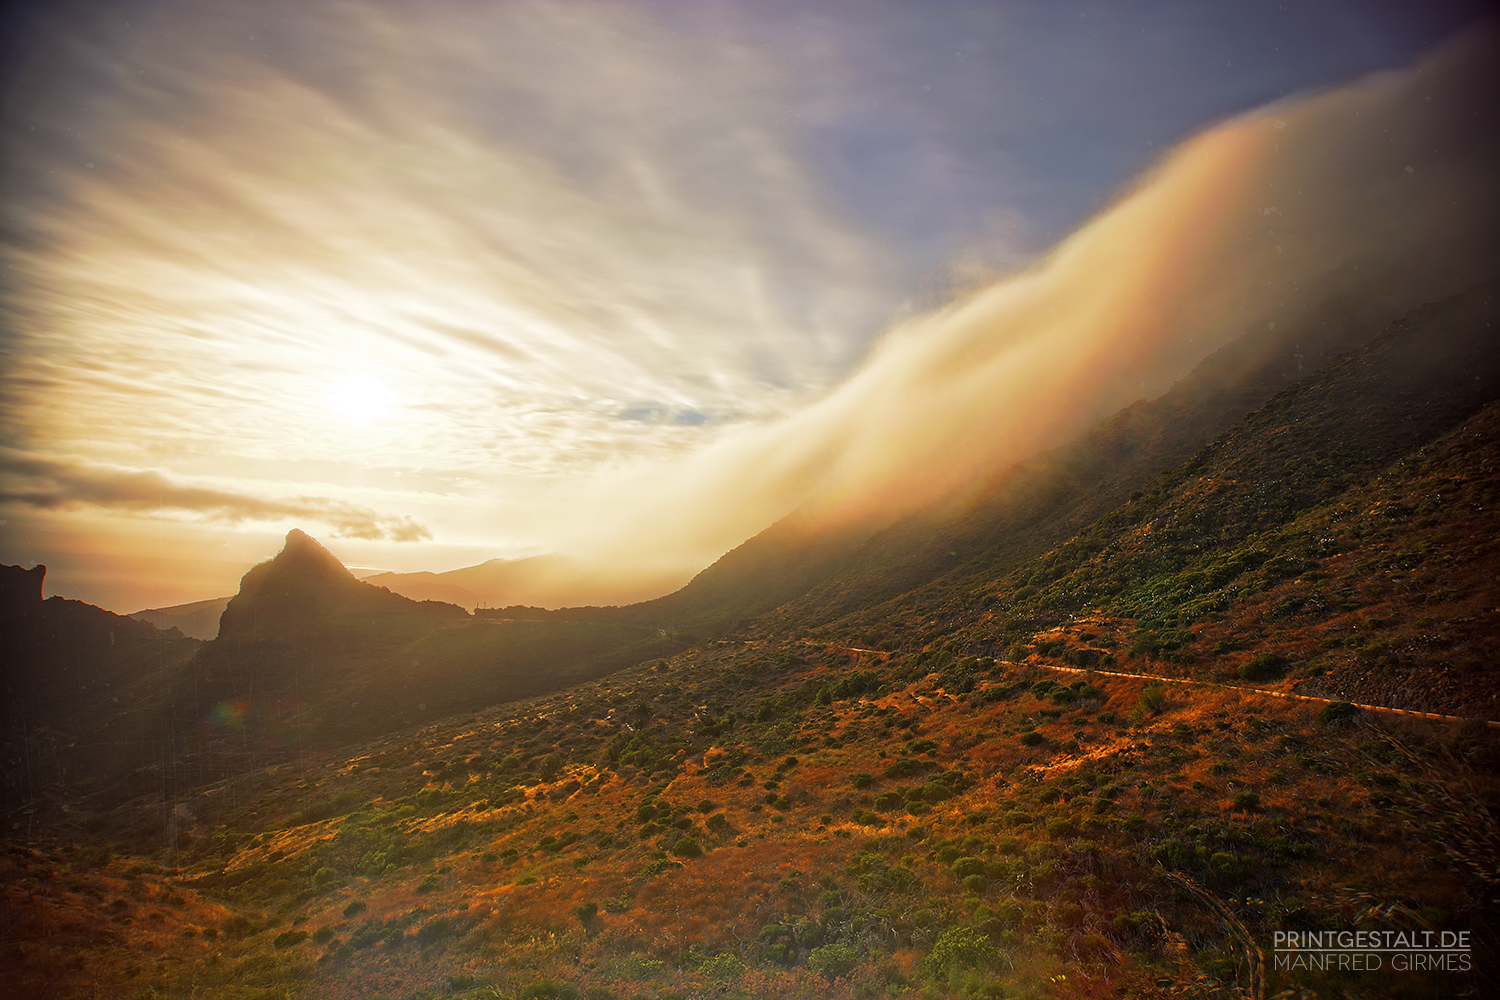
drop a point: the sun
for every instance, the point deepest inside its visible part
(361, 398)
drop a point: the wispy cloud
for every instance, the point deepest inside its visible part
(51, 484)
(518, 255)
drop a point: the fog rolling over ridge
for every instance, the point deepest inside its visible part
(1374, 197)
(589, 294)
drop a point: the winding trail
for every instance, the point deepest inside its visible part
(1288, 695)
(1430, 716)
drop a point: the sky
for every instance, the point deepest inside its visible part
(449, 281)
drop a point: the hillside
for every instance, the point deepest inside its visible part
(1182, 550)
(807, 574)
(760, 822)
(81, 689)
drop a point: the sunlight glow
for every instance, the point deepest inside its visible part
(361, 398)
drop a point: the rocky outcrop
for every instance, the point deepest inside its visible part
(20, 590)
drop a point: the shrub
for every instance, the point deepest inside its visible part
(588, 912)
(964, 867)
(1337, 711)
(688, 847)
(1246, 800)
(356, 907)
(1262, 667)
(833, 960)
(434, 930)
(1153, 699)
(1061, 827)
(287, 939)
(1032, 738)
(862, 780)
(956, 949)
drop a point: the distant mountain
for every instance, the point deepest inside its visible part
(305, 592)
(1167, 526)
(550, 581)
(199, 619)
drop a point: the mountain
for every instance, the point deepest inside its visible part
(306, 593)
(1190, 544)
(550, 581)
(199, 619)
(809, 573)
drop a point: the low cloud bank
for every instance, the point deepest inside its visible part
(1379, 196)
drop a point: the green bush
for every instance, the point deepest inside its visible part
(1153, 699)
(1061, 828)
(1032, 738)
(1262, 667)
(956, 949)
(832, 961)
(1337, 711)
(287, 939)
(688, 847)
(434, 930)
(964, 867)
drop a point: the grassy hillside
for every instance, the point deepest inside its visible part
(801, 821)
(1263, 542)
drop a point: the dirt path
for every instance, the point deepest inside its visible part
(1431, 716)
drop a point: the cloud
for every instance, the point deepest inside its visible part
(608, 212)
(51, 484)
(1374, 197)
